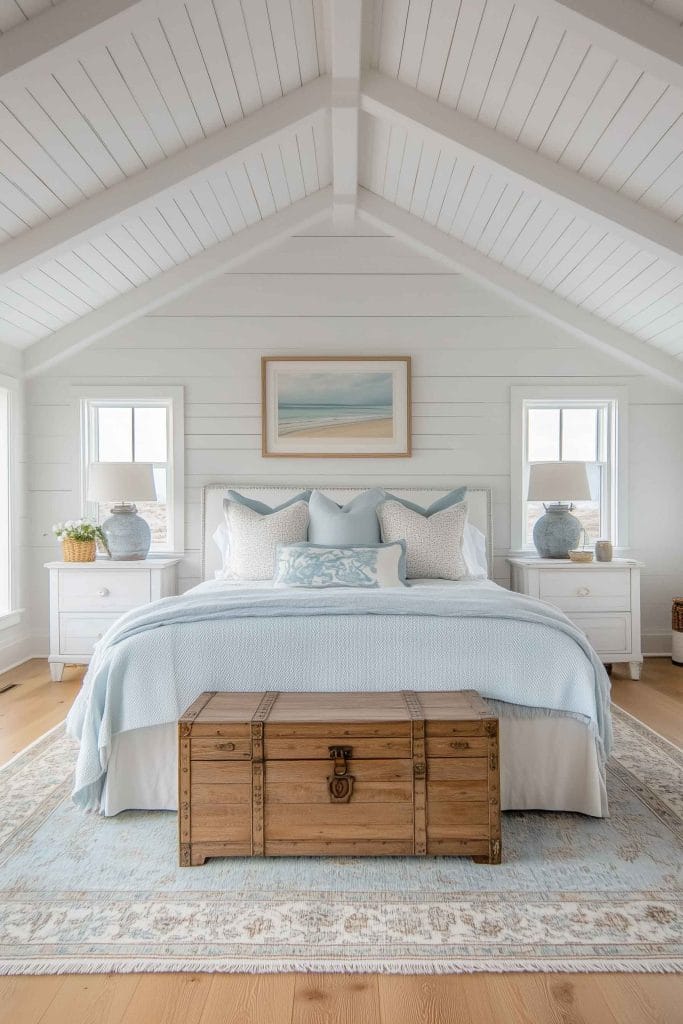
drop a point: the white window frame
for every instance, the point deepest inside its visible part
(615, 401)
(87, 400)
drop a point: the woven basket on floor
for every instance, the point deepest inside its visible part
(677, 631)
(78, 550)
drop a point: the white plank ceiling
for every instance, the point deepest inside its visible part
(178, 73)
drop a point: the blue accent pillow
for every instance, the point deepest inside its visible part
(354, 523)
(364, 566)
(447, 501)
(266, 510)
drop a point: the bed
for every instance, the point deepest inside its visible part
(549, 688)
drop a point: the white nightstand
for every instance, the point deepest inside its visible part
(601, 598)
(87, 597)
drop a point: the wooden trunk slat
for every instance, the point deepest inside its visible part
(318, 747)
(468, 789)
(419, 773)
(318, 793)
(223, 773)
(463, 746)
(331, 731)
(228, 749)
(464, 812)
(341, 847)
(452, 769)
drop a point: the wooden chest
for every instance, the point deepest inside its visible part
(376, 774)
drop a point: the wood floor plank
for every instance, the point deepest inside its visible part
(643, 998)
(424, 999)
(92, 999)
(34, 706)
(249, 999)
(336, 999)
(26, 999)
(171, 998)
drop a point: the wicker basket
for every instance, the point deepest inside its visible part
(677, 631)
(78, 550)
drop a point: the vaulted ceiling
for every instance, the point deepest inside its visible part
(148, 145)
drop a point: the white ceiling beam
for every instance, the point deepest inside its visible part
(392, 101)
(626, 28)
(519, 290)
(346, 20)
(65, 32)
(91, 217)
(205, 266)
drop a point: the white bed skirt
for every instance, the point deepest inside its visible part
(547, 763)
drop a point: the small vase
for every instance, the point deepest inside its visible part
(78, 550)
(603, 551)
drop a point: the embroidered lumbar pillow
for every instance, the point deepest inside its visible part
(433, 543)
(253, 538)
(317, 565)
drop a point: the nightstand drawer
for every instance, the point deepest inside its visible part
(572, 590)
(608, 634)
(78, 634)
(104, 590)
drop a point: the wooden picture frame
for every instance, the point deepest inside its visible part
(336, 407)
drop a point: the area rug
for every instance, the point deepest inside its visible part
(82, 894)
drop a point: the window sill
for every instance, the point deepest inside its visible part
(10, 619)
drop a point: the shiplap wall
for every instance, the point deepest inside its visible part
(359, 294)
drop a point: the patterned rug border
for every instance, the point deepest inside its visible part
(96, 960)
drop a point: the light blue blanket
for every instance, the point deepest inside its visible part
(156, 659)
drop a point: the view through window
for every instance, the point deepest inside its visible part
(131, 432)
(572, 433)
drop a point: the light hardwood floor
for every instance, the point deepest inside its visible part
(34, 705)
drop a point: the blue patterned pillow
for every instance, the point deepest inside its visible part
(368, 566)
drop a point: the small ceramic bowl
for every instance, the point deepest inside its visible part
(580, 555)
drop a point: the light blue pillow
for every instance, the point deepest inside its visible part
(447, 501)
(266, 510)
(364, 566)
(354, 523)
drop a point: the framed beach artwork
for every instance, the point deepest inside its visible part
(336, 407)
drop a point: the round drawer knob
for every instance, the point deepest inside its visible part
(104, 592)
(583, 591)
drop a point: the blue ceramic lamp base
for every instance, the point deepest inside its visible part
(557, 532)
(127, 535)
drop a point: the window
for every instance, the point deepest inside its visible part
(5, 509)
(571, 425)
(139, 425)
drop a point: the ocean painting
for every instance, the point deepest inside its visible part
(341, 405)
(334, 407)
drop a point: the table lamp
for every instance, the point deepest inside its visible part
(127, 535)
(557, 532)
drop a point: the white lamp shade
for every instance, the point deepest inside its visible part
(121, 482)
(558, 481)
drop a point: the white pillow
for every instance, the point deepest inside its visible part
(253, 538)
(474, 552)
(434, 543)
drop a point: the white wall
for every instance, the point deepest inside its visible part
(15, 640)
(355, 295)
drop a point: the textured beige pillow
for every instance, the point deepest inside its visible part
(253, 538)
(434, 543)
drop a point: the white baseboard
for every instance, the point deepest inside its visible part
(16, 653)
(657, 645)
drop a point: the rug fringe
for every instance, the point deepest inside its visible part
(340, 966)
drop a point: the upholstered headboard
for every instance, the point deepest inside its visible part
(478, 499)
